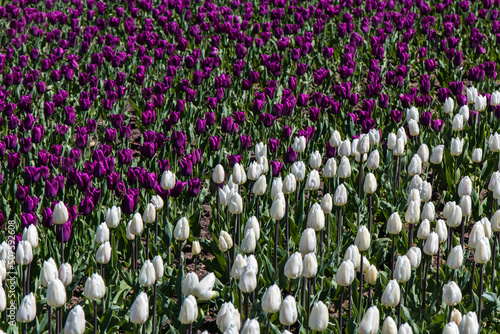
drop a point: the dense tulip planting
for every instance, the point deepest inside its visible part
(278, 166)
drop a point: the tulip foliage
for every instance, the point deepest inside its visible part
(280, 166)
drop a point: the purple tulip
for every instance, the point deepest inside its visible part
(194, 187)
(214, 143)
(186, 167)
(27, 219)
(245, 142)
(177, 189)
(66, 232)
(201, 125)
(233, 159)
(13, 160)
(276, 167)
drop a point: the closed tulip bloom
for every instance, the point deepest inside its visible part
(315, 160)
(313, 182)
(454, 216)
(495, 177)
(252, 262)
(483, 251)
(310, 265)
(415, 182)
(181, 231)
(345, 148)
(102, 233)
(30, 234)
(425, 191)
(415, 256)
(494, 142)
(431, 245)
(344, 168)
(370, 184)
(370, 322)
(495, 221)
(480, 103)
(340, 196)
(168, 180)
(218, 175)
(391, 295)
(113, 216)
(254, 171)
(225, 241)
(307, 242)
(374, 136)
(60, 214)
(437, 155)
(424, 230)
(423, 153)
(253, 225)
(464, 112)
(477, 155)
(288, 311)
(24, 253)
(189, 283)
(456, 146)
(354, 147)
(318, 318)
(391, 141)
(56, 293)
(405, 329)
(458, 123)
(136, 224)
(363, 144)
(415, 166)
(371, 275)
(441, 231)
(139, 311)
(260, 186)
(316, 218)
(389, 326)
(195, 248)
(476, 234)
(204, 289)
(235, 204)
(471, 94)
(3, 271)
(157, 202)
(276, 187)
(362, 240)
(452, 295)
(373, 160)
(345, 273)
(399, 148)
(189, 311)
(271, 301)
(294, 266)
(469, 324)
(228, 317)
(147, 275)
(289, 184)
(330, 169)
(466, 205)
(65, 274)
(414, 196)
(448, 105)
(455, 258)
(103, 254)
(335, 139)
(75, 322)
(327, 203)
(248, 279)
(394, 224)
(158, 266)
(495, 98)
(149, 214)
(456, 316)
(352, 254)
(48, 272)
(487, 227)
(239, 175)
(248, 243)
(251, 326)
(451, 328)
(299, 170)
(27, 309)
(412, 215)
(94, 287)
(299, 144)
(428, 212)
(278, 208)
(260, 150)
(402, 272)
(413, 127)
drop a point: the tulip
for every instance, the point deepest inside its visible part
(113, 216)
(370, 322)
(189, 312)
(389, 326)
(167, 180)
(318, 318)
(458, 123)
(373, 160)
(251, 326)
(415, 166)
(299, 144)
(362, 239)
(260, 186)
(423, 153)
(196, 248)
(247, 284)
(189, 283)
(228, 317)
(102, 233)
(239, 174)
(294, 266)
(494, 142)
(288, 312)
(437, 155)
(276, 187)
(139, 311)
(345, 277)
(204, 289)
(271, 302)
(94, 287)
(391, 296)
(289, 184)
(310, 265)
(103, 254)
(254, 171)
(27, 310)
(402, 272)
(452, 295)
(75, 322)
(249, 242)
(147, 275)
(469, 323)
(424, 230)
(344, 170)
(56, 293)
(428, 212)
(65, 274)
(181, 231)
(59, 217)
(451, 328)
(307, 242)
(30, 234)
(405, 329)
(48, 272)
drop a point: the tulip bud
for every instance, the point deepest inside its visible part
(480, 103)
(405, 329)
(181, 231)
(431, 245)
(75, 322)
(452, 294)
(415, 166)
(289, 184)
(413, 127)
(371, 275)
(225, 241)
(454, 216)
(103, 254)
(167, 180)
(157, 202)
(316, 218)
(277, 187)
(158, 266)
(483, 251)
(60, 214)
(330, 169)
(248, 243)
(466, 205)
(102, 233)
(30, 234)
(456, 146)
(56, 293)
(24, 253)
(437, 155)
(370, 184)
(288, 312)
(458, 123)
(476, 234)
(27, 309)
(318, 318)
(239, 175)
(315, 160)
(362, 239)
(389, 326)
(495, 98)
(327, 203)
(218, 175)
(441, 231)
(189, 311)
(307, 242)
(471, 95)
(423, 153)
(412, 215)
(66, 274)
(310, 265)
(299, 170)
(370, 322)
(345, 148)
(264, 165)
(254, 171)
(448, 105)
(373, 160)
(251, 326)
(345, 273)
(293, 266)
(402, 272)
(271, 301)
(94, 287)
(260, 150)
(235, 204)
(139, 311)
(465, 112)
(424, 230)
(374, 136)
(48, 273)
(260, 186)
(340, 196)
(428, 212)
(352, 253)
(113, 216)
(394, 224)
(228, 317)
(469, 324)
(456, 316)
(494, 142)
(451, 328)
(455, 258)
(495, 221)
(399, 148)
(189, 284)
(196, 248)
(363, 144)
(335, 139)
(391, 295)
(344, 168)
(299, 144)
(149, 214)
(248, 279)
(147, 275)
(204, 289)
(136, 224)
(415, 256)
(312, 182)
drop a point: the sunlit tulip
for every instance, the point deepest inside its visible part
(310, 265)
(389, 326)
(345, 148)
(235, 205)
(428, 212)
(103, 254)
(248, 279)
(415, 256)
(253, 225)
(228, 317)
(251, 326)
(167, 180)
(316, 218)
(451, 328)
(452, 295)
(254, 171)
(307, 242)
(60, 214)
(340, 196)
(299, 144)
(113, 216)
(437, 155)
(288, 311)
(136, 224)
(423, 153)
(458, 123)
(394, 224)
(370, 322)
(327, 203)
(476, 234)
(449, 105)
(313, 182)
(362, 240)
(48, 272)
(271, 301)
(415, 166)
(456, 316)
(345, 273)
(469, 324)
(315, 160)
(278, 208)
(391, 295)
(248, 243)
(370, 184)
(318, 318)
(293, 266)
(24, 253)
(225, 241)
(330, 169)
(189, 311)
(431, 245)
(391, 141)
(471, 94)
(413, 127)
(483, 251)
(147, 275)
(218, 175)
(405, 329)
(344, 170)
(335, 139)
(204, 289)
(56, 293)
(455, 257)
(412, 215)
(289, 184)
(441, 231)
(299, 170)
(27, 309)
(456, 146)
(94, 287)
(189, 283)
(30, 234)
(181, 231)
(65, 274)
(352, 254)
(424, 229)
(75, 322)
(102, 233)
(260, 186)
(373, 160)
(466, 205)
(139, 311)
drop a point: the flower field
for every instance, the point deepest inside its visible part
(275, 166)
